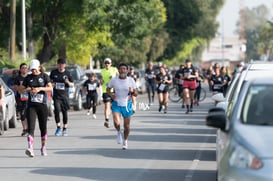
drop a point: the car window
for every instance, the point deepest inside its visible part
(257, 107)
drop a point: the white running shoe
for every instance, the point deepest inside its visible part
(94, 116)
(119, 137)
(88, 113)
(29, 152)
(125, 145)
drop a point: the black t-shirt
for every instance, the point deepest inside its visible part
(18, 81)
(149, 75)
(60, 89)
(33, 81)
(91, 87)
(187, 72)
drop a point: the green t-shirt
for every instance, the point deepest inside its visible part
(107, 75)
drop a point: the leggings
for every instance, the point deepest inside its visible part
(92, 98)
(37, 110)
(61, 105)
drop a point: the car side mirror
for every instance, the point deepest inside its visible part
(216, 118)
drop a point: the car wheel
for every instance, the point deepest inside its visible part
(78, 105)
(13, 120)
(6, 120)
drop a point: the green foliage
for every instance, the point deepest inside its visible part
(132, 31)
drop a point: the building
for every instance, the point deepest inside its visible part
(228, 51)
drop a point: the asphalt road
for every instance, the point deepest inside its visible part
(172, 146)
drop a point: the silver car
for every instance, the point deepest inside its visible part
(8, 117)
(244, 152)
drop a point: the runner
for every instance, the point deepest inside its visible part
(107, 73)
(91, 87)
(189, 85)
(36, 85)
(124, 88)
(21, 99)
(164, 80)
(62, 80)
(150, 82)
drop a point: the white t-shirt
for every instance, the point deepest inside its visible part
(121, 88)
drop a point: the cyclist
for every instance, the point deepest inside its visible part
(150, 82)
(189, 85)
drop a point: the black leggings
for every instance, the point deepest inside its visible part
(92, 99)
(61, 106)
(37, 110)
(150, 91)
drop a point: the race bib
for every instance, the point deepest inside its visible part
(37, 98)
(60, 86)
(92, 87)
(217, 86)
(162, 87)
(150, 76)
(24, 97)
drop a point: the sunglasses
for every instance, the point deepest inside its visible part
(106, 62)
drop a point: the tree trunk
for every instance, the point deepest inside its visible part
(12, 29)
(47, 51)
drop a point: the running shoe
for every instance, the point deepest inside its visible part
(65, 132)
(88, 113)
(58, 132)
(160, 108)
(125, 145)
(94, 116)
(119, 137)
(106, 124)
(29, 152)
(43, 151)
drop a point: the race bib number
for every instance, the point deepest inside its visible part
(217, 86)
(37, 98)
(162, 87)
(92, 87)
(60, 86)
(150, 76)
(24, 97)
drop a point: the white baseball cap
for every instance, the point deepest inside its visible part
(108, 60)
(34, 64)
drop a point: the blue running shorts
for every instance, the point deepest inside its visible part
(123, 110)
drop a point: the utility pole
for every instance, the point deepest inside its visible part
(12, 29)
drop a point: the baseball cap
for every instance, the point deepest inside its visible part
(107, 60)
(34, 64)
(61, 61)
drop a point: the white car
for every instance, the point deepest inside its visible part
(8, 117)
(245, 131)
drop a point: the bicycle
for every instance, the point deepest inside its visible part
(175, 97)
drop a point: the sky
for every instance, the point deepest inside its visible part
(229, 14)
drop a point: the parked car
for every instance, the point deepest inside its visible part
(8, 117)
(76, 96)
(244, 149)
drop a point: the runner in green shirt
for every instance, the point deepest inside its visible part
(107, 73)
